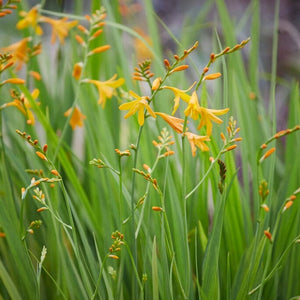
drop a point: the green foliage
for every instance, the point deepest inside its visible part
(121, 208)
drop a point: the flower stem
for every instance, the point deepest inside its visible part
(134, 245)
(183, 184)
(99, 277)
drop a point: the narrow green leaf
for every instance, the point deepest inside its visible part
(155, 281)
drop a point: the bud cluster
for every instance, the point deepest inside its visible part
(118, 238)
(142, 72)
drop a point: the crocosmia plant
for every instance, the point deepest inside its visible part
(140, 161)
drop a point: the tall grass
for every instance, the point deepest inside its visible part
(136, 223)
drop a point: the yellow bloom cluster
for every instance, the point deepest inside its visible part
(193, 109)
(32, 18)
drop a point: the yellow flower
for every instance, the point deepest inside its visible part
(193, 108)
(76, 118)
(106, 89)
(138, 105)
(175, 123)
(23, 105)
(197, 141)
(208, 115)
(60, 28)
(31, 18)
(19, 51)
(179, 94)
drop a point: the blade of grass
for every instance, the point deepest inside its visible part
(155, 280)
(210, 277)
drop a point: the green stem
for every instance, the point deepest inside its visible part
(183, 185)
(134, 245)
(204, 177)
(146, 195)
(99, 277)
(77, 92)
(276, 267)
(120, 193)
(134, 268)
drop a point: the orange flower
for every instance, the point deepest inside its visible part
(76, 118)
(23, 105)
(175, 123)
(138, 105)
(30, 18)
(197, 141)
(106, 89)
(19, 52)
(60, 28)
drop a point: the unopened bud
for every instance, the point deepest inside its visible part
(156, 83)
(167, 64)
(41, 155)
